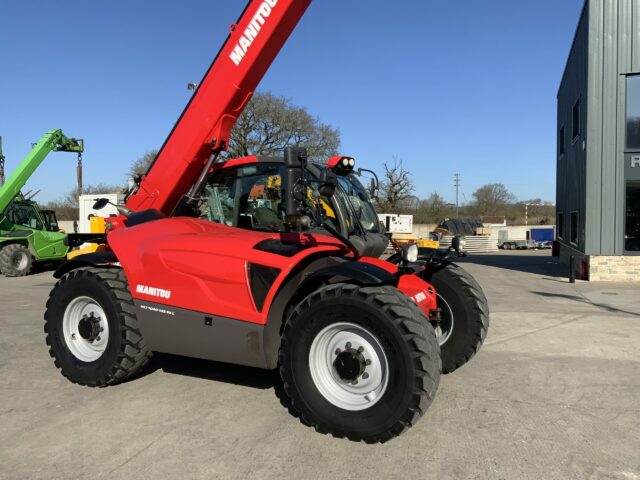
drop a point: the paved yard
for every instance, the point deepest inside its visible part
(554, 393)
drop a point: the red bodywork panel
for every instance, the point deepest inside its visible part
(221, 96)
(421, 292)
(234, 162)
(203, 265)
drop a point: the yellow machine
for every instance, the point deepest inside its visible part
(96, 225)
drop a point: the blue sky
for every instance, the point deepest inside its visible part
(462, 86)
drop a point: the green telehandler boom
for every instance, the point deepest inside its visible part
(27, 233)
(1, 164)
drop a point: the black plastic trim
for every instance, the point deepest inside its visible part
(95, 259)
(261, 279)
(364, 274)
(279, 247)
(144, 216)
(77, 239)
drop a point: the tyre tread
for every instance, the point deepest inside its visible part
(6, 266)
(416, 330)
(134, 354)
(473, 292)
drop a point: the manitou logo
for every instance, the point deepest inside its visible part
(154, 292)
(251, 32)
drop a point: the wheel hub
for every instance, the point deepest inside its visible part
(350, 364)
(85, 328)
(19, 260)
(89, 327)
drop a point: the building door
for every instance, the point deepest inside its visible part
(632, 167)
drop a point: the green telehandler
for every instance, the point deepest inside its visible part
(27, 233)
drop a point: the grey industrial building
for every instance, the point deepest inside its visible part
(598, 156)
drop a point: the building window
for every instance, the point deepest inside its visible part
(633, 113)
(574, 228)
(632, 218)
(560, 225)
(576, 119)
(561, 141)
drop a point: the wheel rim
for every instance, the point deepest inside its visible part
(348, 366)
(85, 329)
(445, 326)
(20, 260)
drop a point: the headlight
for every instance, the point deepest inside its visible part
(410, 253)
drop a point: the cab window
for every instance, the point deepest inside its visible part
(358, 203)
(26, 216)
(246, 197)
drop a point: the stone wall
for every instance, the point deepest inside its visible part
(614, 268)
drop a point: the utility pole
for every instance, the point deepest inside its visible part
(456, 182)
(526, 211)
(1, 164)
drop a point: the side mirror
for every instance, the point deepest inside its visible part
(458, 243)
(100, 203)
(103, 202)
(373, 187)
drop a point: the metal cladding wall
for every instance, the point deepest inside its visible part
(571, 172)
(590, 177)
(614, 50)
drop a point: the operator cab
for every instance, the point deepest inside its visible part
(25, 214)
(250, 193)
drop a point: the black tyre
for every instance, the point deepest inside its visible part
(359, 362)
(15, 260)
(91, 328)
(465, 314)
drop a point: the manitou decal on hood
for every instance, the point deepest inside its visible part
(153, 291)
(252, 31)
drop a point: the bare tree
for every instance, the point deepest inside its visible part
(492, 198)
(266, 126)
(270, 123)
(396, 187)
(432, 209)
(141, 165)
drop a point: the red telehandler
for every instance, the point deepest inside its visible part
(238, 261)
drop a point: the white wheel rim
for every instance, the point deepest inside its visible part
(79, 310)
(368, 387)
(445, 327)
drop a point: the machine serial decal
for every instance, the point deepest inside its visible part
(156, 309)
(252, 31)
(153, 291)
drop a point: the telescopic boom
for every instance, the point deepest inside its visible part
(52, 141)
(205, 125)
